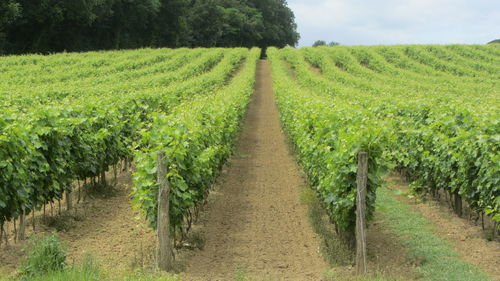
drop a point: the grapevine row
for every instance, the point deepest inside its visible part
(438, 130)
(196, 137)
(44, 148)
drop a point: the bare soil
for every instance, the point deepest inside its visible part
(105, 227)
(316, 70)
(115, 234)
(256, 226)
(467, 238)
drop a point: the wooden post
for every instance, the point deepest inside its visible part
(361, 181)
(1, 232)
(458, 203)
(165, 253)
(69, 199)
(103, 179)
(22, 224)
(33, 218)
(15, 231)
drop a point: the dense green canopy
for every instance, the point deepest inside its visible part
(80, 25)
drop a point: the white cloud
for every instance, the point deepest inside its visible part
(397, 22)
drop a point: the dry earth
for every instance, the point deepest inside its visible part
(257, 225)
(117, 236)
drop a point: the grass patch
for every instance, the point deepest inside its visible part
(334, 276)
(88, 271)
(46, 261)
(46, 255)
(146, 276)
(334, 249)
(241, 275)
(433, 257)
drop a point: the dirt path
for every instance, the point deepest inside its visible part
(256, 226)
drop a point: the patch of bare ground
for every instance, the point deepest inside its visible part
(314, 69)
(114, 233)
(255, 225)
(106, 227)
(466, 237)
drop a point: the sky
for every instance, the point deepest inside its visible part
(374, 22)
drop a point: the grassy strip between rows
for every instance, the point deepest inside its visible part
(435, 256)
(89, 270)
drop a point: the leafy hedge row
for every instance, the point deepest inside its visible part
(328, 137)
(196, 137)
(105, 82)
(46, 148)
(448, 139)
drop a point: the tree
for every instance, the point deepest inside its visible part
(332, 43)
(318, 43)
(170, 26)
(75, 25)
(10, 11)
(280, 28)
(224, 23)
(80, 25)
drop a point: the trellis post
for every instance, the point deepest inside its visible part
(361, 181)
(165, 253)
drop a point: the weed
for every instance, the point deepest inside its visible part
(240, 275)
(197, 240)
(46, 254)
(63, 222)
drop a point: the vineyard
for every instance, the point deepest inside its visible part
(71, 117)
(429, 113)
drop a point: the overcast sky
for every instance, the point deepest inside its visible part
(371, 22)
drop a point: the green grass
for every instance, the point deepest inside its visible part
(87, 271)
(84, 273)
(46, 260)
(46, 255)
(90, 271)
(434, 257)
(334, 276)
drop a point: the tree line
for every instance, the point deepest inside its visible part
(319, 43)
(45, 26)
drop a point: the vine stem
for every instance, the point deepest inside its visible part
(1, 232)
(15, 231)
